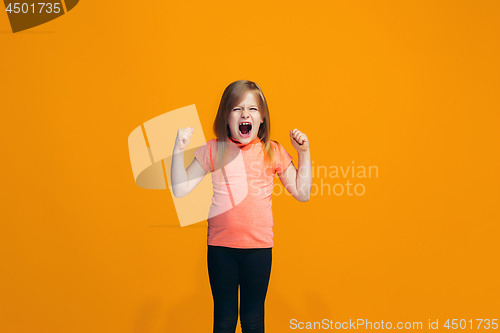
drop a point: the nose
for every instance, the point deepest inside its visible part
(245, 114)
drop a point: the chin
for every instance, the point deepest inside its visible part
(245, 139)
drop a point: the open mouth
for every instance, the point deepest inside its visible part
(245, 128)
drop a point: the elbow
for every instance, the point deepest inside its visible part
(178, 194)
(303, 192)
(303, 197)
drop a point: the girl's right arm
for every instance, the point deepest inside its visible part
(184, 180)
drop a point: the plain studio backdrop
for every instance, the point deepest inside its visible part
(408, 87)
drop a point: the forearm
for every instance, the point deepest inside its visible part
(304, 176)
(178, 174)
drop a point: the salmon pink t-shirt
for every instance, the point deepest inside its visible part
(240, 215)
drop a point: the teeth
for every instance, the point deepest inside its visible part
(245, 123)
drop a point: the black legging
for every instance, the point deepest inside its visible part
(250, 268)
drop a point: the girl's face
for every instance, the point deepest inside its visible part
(244, 119)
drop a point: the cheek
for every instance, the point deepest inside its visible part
(232, 119)
(260, 124)
(233, 124)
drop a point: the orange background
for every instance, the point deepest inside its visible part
(409, 87)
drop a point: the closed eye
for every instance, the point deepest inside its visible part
(239, 109)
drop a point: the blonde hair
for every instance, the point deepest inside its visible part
(232, 96)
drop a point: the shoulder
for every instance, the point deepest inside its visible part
(204, 154)
(276, 145)
(211, 142)
(280, 151)
(283, 158)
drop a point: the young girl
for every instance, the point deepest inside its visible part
(243, 161)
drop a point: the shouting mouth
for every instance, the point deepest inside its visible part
(245, 129)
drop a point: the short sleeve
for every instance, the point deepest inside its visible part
(203, 157)
(283, 159)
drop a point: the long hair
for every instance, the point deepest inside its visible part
(232, 96)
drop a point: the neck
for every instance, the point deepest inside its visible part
(239, 144)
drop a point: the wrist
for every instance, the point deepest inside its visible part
(177, 151)
(304, 152)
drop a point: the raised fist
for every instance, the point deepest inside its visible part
(183, 138)
(299, 140)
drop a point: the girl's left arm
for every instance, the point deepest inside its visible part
(298, 182)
